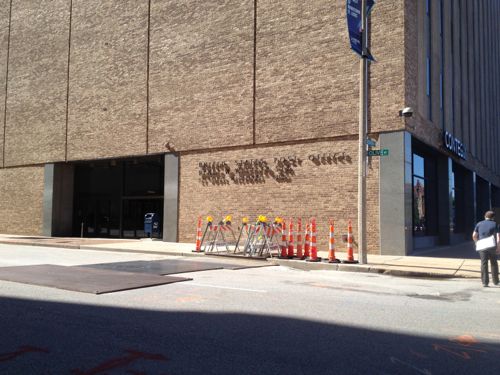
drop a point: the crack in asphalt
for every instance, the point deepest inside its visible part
(447, 297)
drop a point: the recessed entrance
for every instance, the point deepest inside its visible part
(111, 197)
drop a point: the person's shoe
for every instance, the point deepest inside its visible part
(485, 285)
(496, 283)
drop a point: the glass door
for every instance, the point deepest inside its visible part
(134, 210)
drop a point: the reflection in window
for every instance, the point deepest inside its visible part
(451, 192)
(418, 166)
(419, 225)
(419, 218)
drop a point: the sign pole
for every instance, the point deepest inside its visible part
(362, 140)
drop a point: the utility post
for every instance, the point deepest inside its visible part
(362, 139)
(357, 12)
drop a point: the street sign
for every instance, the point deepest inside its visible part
(353, 10)
(371, 142)
(382, 152)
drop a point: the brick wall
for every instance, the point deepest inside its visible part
(387, 44)
(108, 75)
(307, 77)
(37, 76)
(21, 200)
(324, 188)
(201, 74)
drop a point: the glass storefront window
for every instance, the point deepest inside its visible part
(418, 166)
(419, 211)
(451, 192)
(419, 226)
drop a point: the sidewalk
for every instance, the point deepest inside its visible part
(407, 266)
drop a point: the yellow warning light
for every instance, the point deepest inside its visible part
(244, 220)
(210, 219)
(278, 220)
(228, 218)
(262, 219)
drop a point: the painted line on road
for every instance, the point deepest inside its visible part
(226, 287)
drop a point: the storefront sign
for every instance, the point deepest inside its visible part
(454, 145)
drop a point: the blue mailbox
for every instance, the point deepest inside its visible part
(151, 224)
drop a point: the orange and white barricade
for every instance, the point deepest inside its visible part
(260, 239)
(314, 249)
(350, 241)
(291, 240)
(244, 232)
(299, 239)
(198, 236)
(284, 245)
(307, 243)
(331, 244)
(221, 233)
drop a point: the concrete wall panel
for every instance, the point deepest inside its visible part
(4, 40)
(201, 74)
(21, 200)
(37, 82)
(108, 79)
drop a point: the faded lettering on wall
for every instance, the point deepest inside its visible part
(258, 171)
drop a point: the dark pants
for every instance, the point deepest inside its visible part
(490, 255)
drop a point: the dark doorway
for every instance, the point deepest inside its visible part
(111, 197)
(134, 210)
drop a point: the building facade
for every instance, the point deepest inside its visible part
(111, 109)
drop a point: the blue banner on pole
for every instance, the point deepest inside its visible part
(353, 10)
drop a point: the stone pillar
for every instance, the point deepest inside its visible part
(483, 199)
(495, 196)
(48, 198)
(469, 197)
(58, 200)
(171, 198)
(443, 201)
(396, 194)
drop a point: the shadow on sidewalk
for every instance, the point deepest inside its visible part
(463, 250)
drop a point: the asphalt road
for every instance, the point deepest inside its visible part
(268, 320)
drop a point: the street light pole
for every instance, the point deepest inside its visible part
(362, 140)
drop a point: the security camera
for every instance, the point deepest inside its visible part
(406, 112)
(170, 147)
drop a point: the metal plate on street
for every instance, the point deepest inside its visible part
(80, 279)
(174, 266)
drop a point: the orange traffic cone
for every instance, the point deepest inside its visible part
(350, 252)
(299, 239)
(314, 248)
(307, 243)
(331, 247)
(198, 235)
(283, 241)
(291, 243)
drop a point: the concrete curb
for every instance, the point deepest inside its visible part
(392, 270)
(99, 248)
(39, 244)
(163, 252)
(378, 269)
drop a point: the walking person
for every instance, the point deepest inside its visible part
(487, 238)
